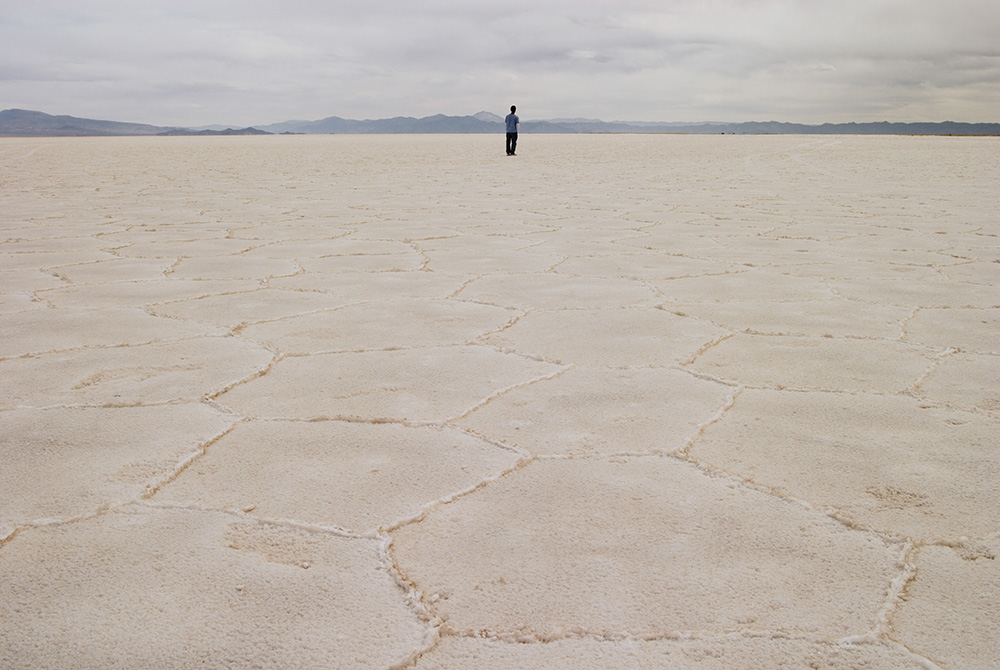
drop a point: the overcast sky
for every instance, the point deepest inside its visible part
(244, 62)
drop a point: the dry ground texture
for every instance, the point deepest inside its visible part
(710, 402)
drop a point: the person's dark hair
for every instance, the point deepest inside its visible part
(513, 109)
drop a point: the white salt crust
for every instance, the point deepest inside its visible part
(708, 402)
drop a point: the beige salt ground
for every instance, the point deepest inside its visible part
(694, 402)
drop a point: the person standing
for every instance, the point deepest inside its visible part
(512, 122)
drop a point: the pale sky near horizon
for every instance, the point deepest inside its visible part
(252, 62)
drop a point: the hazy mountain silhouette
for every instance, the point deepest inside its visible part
(488, 116)
(25, 123)
(210, 131)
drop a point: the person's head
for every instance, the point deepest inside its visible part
(513, 109)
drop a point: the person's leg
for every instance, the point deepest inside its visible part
(509, 135)
(513, 143)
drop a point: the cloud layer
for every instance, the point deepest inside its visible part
(253, 62)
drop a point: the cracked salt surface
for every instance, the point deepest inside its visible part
(392, 402)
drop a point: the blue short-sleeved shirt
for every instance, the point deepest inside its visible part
(512, 122)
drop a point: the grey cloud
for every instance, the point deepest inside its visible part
(255, 61)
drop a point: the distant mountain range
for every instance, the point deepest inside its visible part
(25, 123)
(227, 131)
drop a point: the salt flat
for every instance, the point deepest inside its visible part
(699, 402)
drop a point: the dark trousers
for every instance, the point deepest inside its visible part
(511, 143)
